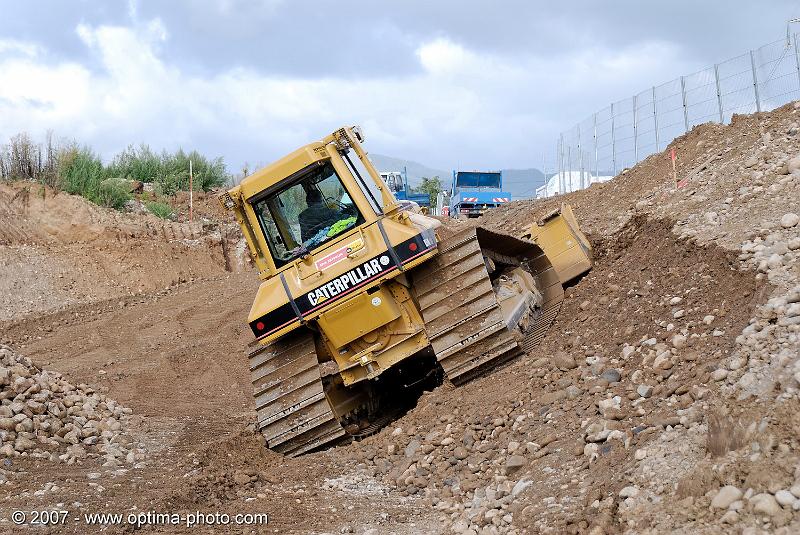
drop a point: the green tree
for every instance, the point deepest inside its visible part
(432, 186)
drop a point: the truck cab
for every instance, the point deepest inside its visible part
(475, 192)
(397, 183)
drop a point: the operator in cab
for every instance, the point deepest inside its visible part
(316, 216)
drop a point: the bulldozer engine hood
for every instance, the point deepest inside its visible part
(297, 308)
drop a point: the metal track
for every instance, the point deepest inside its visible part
(293, 413)
(465, 323)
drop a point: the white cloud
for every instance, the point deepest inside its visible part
(12, 46)
(445, 57)
(461, 106)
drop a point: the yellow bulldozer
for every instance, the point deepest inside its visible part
(365, 302)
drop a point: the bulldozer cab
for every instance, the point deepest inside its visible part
(305, 213)
(309, 199)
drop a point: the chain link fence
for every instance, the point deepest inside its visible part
(631, 129)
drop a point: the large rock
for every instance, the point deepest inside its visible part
(784, 497)
(790, 220)
(7, 424)
(24, 444)
(678, 341)
(514, 463)
(793, 164)
(726, 496)
(564, 361)
(765, 504)
(611, 375)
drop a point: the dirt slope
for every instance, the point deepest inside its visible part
(58, 249)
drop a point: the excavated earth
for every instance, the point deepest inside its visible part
(663, 400)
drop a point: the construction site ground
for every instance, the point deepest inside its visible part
(663, 400)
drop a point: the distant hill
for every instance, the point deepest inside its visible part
(521, 183)
(415, 170)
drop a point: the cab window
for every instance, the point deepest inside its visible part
(306, 213)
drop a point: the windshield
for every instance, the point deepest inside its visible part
(302, 216)
(474, 179)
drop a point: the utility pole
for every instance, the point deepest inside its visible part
(580, 156)
(544, 170)
(789, 43)
(797, 58)
(569, 168)
(561, 164)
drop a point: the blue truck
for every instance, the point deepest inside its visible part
(474, 192)
(398, 184)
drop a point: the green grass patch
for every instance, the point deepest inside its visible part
(160, 209)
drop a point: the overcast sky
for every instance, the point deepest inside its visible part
(449, 83)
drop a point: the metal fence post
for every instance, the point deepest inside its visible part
(635, 133)
(580, 155)
(655, 117)
(596, 165)
(558, 158)
(719, 94)
(797, 59)
(685, 110)
(561, 165)
(568, 175)
(755, 80)
(544, 171)
(613, 143)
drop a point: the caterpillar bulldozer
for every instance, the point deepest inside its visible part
(365, 303)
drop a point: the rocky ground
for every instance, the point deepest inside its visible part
(664, 399)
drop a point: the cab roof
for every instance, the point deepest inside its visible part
(278, 170)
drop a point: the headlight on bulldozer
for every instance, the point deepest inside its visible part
(227, 201)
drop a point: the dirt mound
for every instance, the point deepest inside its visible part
(58, 250)
(668, 356)
(617, 368)
(34, 214)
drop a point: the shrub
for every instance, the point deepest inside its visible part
(81, 172)
(78, 170)
(134, 163)
(160, 209)
(22, 159)
(208, 173)
(114, 192)
(169, 170)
